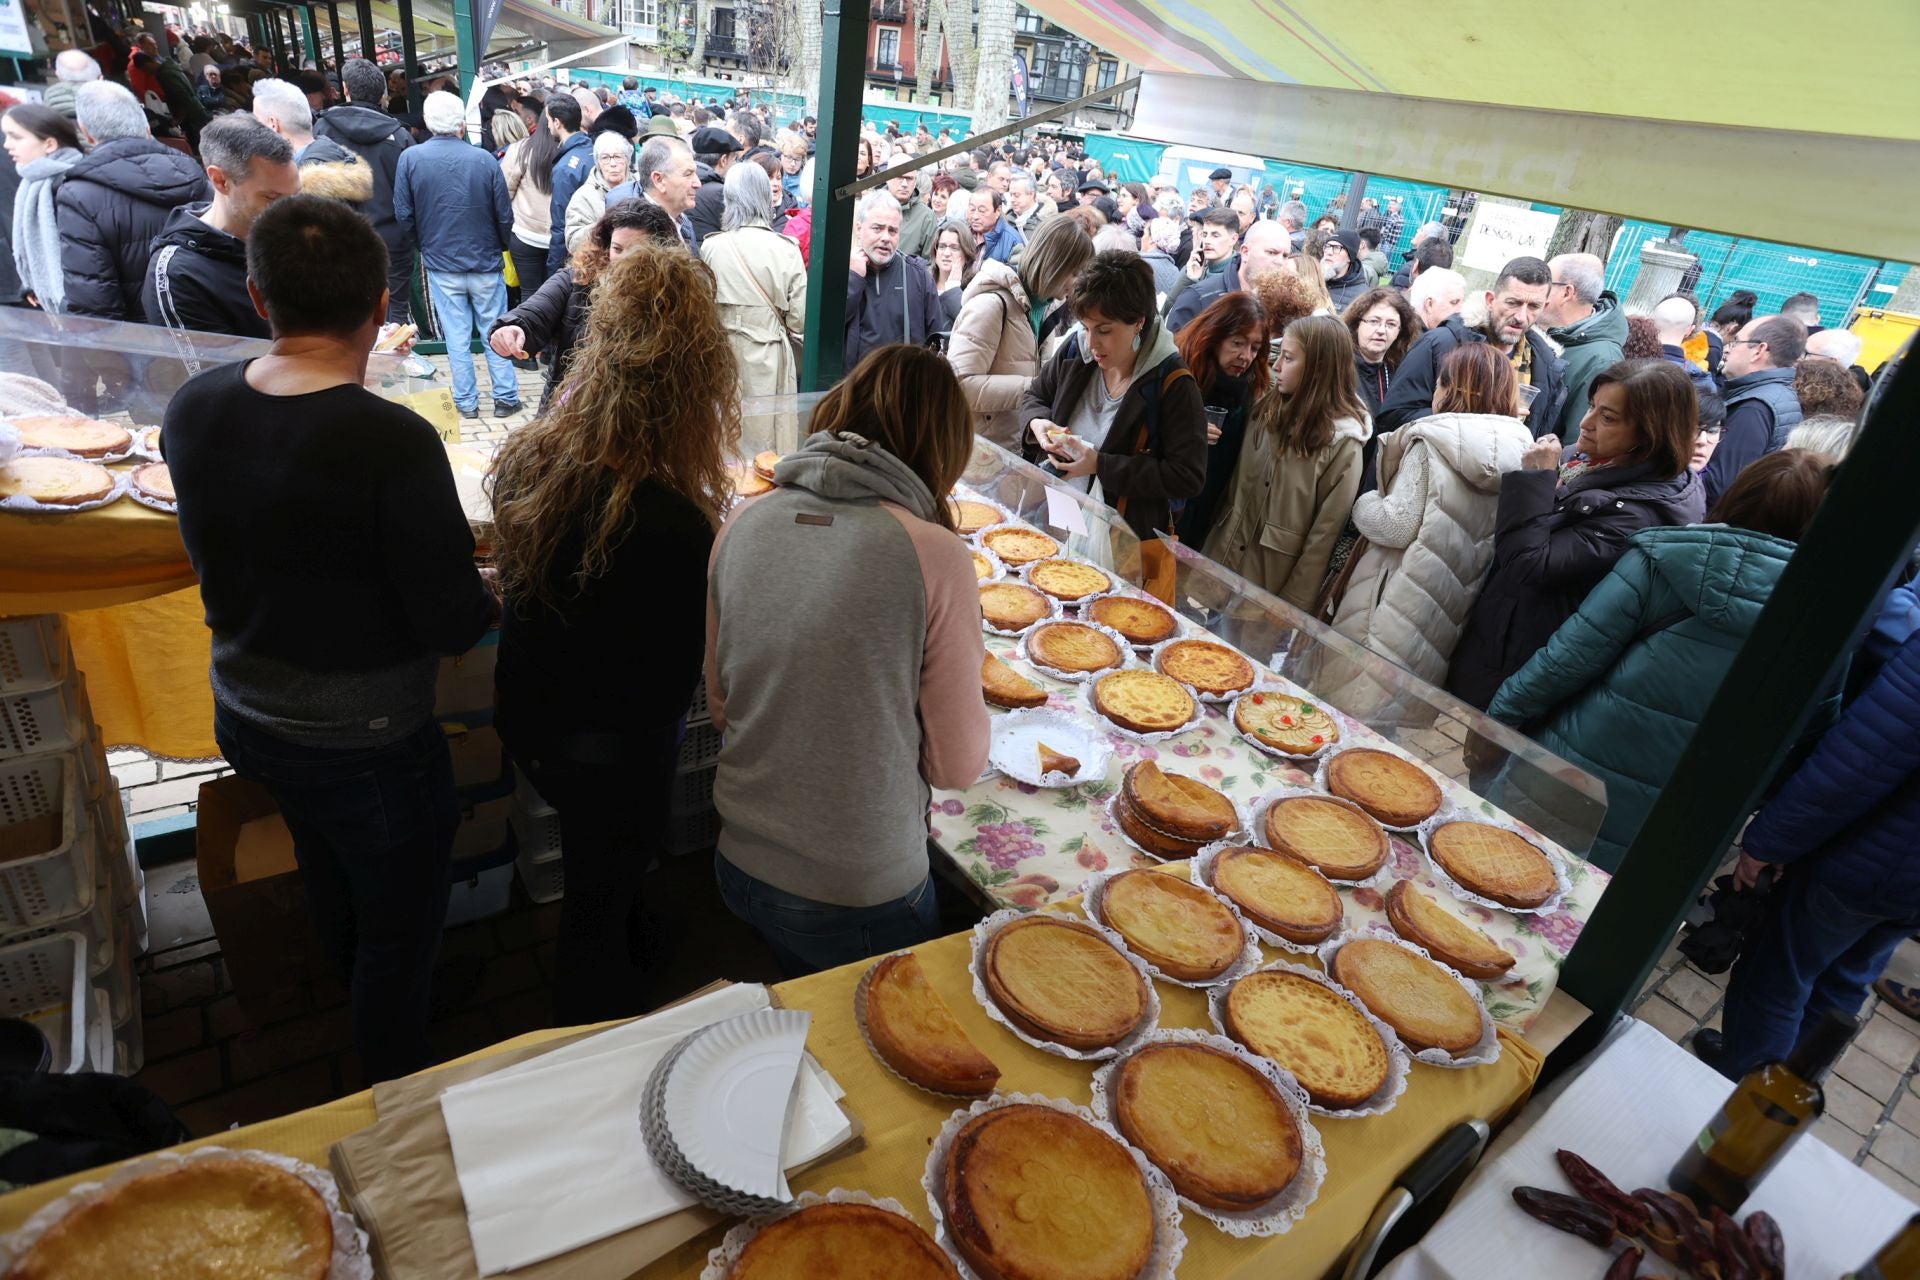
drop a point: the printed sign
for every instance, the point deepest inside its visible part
(437, 407)
(1503, 232)
(13, 29)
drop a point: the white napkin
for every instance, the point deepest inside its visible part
(550, 1156)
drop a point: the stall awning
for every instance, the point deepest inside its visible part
(1789, 130)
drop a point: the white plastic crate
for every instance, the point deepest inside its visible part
(117, 978)
(692, 822)
(536, 824)
(34, 653)
(45, 982)
(57, 881)
(130, 1044)
(108, 815)
(692, 793)
(94, 923)
(101, 1055)
(697, 712)
(50, 719)
(545, 878)
(700, 749)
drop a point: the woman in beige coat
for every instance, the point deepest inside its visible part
(994, 350)
(1299, 468)
(760, 282)
(612, 157)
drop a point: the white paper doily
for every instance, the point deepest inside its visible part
(1203, 865)
(1013, 738)
(1114, 585)
(350, 1260)
(1169, 1240)
(1399, 1063)
(983, 933)
(1117, 798)
(1158, 735)
(725, 1256)
(1278, 1215)
(1093, 892)
(1561, 885)
(1025, 652)
(860, 1020)
(1381, 878)
(1153, 660)
(1053, 613)
(1006, 517)
(1485, 1050)
(9, 442)
(1275, 691)
(980, 540)
(996, 567)
(122, 482)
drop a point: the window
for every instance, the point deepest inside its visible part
(887, 50)
(722, 24)
(1109, 72)
(1028, 23)
(639, 18)
(1046, 60)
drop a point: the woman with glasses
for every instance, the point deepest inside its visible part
(1384, 328)
(953, 269)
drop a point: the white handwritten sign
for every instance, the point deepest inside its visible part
(1503, 232)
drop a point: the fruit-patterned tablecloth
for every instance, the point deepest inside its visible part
(1028, 846)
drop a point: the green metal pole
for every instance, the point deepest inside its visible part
(465, 44)
(333, 24)
(363, 10)
(311, 30)
(1863, 535)
(409, 58)
(843, 76)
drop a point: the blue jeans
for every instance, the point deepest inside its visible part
(466, 301)
(808, 936)
(1817, 950)
(373, 834)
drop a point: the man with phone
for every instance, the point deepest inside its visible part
(890, 295)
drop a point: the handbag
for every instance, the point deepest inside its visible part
(1159, 565)
(511, 274)
(1334, 589)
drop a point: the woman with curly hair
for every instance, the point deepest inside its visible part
(843, 665)
(549, 322)
(605, 509)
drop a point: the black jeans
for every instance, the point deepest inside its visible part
(530, 264)
(399, 285)
(373, 834)
(611, 819)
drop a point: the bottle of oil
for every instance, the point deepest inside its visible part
(1767, 1113)
(1898, 1259)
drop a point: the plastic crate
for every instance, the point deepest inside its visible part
(38, 887)
(692, 822)
(34, 653)
(544, 879)
(130, 1044)
(45, 982)
(697, 712)
(700, 749)
(692, 793)
(101, 1055)
(112, 840)
(50, 719)
(94, 923)
(116, 977)
(482, 886)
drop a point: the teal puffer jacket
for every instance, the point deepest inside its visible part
(1615, 697)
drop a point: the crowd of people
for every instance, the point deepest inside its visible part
(1565, 515)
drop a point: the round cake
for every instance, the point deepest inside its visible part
(1061, 981)
(1211, 668)
(1012, 606)
(1422, 921)
(1177, 927)
(982, 567)
(209, 1219)
(972, 517)
(824, 1241)
(1212, 1123)
(1410, 993)
(764, 463)
(915, 1033)
(1020, 546)
(1002, 686)
(1144, 701)
(1342, 842)
(747, 483)
(1494, 862)
(1142, 622)
(1280, 894)
(83, 437)
(1038, 1194)
(1285, 723)
(155, 479)
(1332, 1050)
(1397, 792)
(1068, 579)
(1072, 646)
(58, 482)
(1177, 805)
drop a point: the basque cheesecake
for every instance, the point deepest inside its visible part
(155, 479)
(1073, 646)
(971, 517)
(915, 1033)
(1397, 792)
(1178, 928)
(82, 437)
(1338, 839)
(1002, 686)
(1495, 863)
(1422, 921)
(1285, 723)
(1170, 815)
(1410, 993)
(1052, 761)
(1208, 667)
(982, 567)
(1020, 546)
(1279, 893)
(1337, 1055)
(746, 482)
(1211, 1122)
(209, 1219)
(1142, 622)
(764, 463)
(1012, 606)
(1038, 1194)
(1061, 981)
(1144, 701)
(57, 482)
(851, 1240)
(1068, 580)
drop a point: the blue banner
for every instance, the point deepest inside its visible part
(1020, 102)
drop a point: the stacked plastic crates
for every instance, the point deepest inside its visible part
(72, 895)
(483, 846)
(692, 822)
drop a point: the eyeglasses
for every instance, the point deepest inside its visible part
(1747, 342)
(1381, 322)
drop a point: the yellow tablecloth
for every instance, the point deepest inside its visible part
(132, 604)
(1363, 1156)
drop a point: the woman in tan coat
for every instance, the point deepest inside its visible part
(994, 350)
(761, 285)
(1299, 468)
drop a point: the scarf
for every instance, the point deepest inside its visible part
(36, 238)
(1578, 465)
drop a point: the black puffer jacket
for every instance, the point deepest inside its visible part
(1551, 545)
(109, 207)
(552, 319)
(708, 204)
(377, 138)
(198, 280)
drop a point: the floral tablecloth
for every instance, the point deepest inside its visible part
(1027, 846)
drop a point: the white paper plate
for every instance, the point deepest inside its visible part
(728, 1097)
(1014, 747)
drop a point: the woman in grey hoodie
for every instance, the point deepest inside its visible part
(843, 669)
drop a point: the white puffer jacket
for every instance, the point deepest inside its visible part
(1431, 538)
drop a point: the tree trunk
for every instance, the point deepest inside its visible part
(993, 70)
(697, 59)
(929, 30)
(1583, 232)
(807, 67)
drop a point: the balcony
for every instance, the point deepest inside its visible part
(1053, 88)
(890, 10)
(726, 47)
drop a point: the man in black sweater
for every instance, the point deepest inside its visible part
(336, 568)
